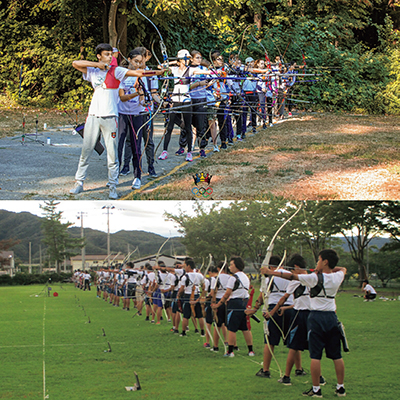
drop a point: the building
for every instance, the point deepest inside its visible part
(7, 263)
(96, 262)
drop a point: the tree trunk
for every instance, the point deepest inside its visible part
(258, 21)
(122, 29)
(105, 21)
(112, 29)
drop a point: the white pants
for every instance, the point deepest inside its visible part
(108, 127)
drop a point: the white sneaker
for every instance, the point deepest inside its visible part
(189, 156)
(136, 183)
(78, 188)
(113, 195)
(216, 148)
(163, 156)
(271, 125)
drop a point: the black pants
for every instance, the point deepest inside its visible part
(176, 117)
(131, 124)
(223, 130)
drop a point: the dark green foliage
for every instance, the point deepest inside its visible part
(352, 44)
(30, 279)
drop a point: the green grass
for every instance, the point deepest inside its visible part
(171, 367)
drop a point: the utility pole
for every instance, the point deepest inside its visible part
(30, 257)
(108, 208)
(83, 250)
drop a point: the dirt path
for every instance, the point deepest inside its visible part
(310, 156)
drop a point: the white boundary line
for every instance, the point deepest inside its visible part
(59, 345)
(44, 349)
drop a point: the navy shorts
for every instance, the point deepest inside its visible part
(323, 333)
(278, 324)
(221, 314)
(209, 314)
(187, 308)
(236, 318)
(297, 338)
(157, 298)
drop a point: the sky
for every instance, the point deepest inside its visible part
(127, 215)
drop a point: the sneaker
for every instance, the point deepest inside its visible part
(271, 125)
(243, 137)
(180, 151)
(136, 184)
(290, 114)
(224, 146)
(78, 188)
(229, 355)
(189, 156)
(341, 392)
(216, 148)
(176, 331)
(236, 348)
(152, 321)
(311, 393)
(113, 193)
(152, 172)
(158, 323)
(263, 374)
(264, 126)
(254, 130)
(163, 155)
(322, 381)
(203, 153)
(300, 372)
(183, 334)
(147, 319)
(251, 354)
(230, 142)
(196, 331)
(206, 345)
(239, 138)
(285, 380)
(214, 349)
(125, 170)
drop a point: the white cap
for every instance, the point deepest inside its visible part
(115, 50)
(183, 54)
(249, 60)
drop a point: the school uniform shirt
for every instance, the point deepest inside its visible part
(278, 289)
(132, 279)
(132, 106)
(105, 97)
(303, 301)
(177, 276)
(332, 283)
(242, 292)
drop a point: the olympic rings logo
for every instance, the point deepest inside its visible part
(202, 192)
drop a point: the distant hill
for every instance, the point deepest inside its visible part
(26, 227)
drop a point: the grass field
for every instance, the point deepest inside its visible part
(52, 334)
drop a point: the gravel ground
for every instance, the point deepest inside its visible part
(35, 171)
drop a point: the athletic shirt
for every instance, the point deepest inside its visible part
(302, 302)
(242, 292)
(223, 282)
(199, 92)
(180, 93)
(369, 288)
(132, 278)
(190, 279)
(132, 106)
(105, 97)
(177, 276)
(278, 289)
(332, 283)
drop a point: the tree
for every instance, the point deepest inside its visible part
(386, 265)
(244, 228)
(60, 244)
(359, 222)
